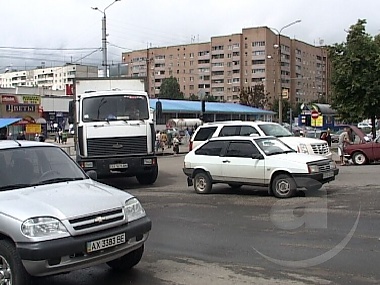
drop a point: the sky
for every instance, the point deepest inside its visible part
(54, 32)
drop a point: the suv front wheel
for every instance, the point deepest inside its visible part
(11, 269)
(202, 183)
(283, 186)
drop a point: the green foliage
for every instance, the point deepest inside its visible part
(254, 96)
(296, 109)
(170, 89)
(355, 78)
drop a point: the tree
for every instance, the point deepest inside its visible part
(355, 76)
(170, 89)
(254, 96)
(286, 106)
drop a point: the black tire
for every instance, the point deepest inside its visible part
(148, 178)
(235, 185)
(283, 186)
(11, 265)
(202, 183)
(359, 158)
(127, 261)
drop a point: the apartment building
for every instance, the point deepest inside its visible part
(51, 78)
(228, 64)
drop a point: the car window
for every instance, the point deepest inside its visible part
(204, 134)
(248, 130)
(241, 149)
(228, 131)
(271, 146)
(213, 148)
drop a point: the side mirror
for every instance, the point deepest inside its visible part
(257, 156)
(92, 174)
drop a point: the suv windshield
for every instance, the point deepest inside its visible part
(275, 130)
(116, 107)
(31, 166)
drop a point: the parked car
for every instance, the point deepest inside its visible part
(263, 161)
(363, 152)
(54, 218)
(247, 128)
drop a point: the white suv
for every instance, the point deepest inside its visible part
(247, 128)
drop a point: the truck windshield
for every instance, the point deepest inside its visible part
(115, 107)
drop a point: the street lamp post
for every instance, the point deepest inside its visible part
(279, 68)
(104, 36)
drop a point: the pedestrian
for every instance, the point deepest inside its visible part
(60, 134)
(36, 138)
(343, 140)
(163, 140)
(176, 145)
(158, 141)
(328, 137)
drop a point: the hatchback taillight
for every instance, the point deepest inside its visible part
(190, 146)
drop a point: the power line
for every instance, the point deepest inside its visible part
(52, 49)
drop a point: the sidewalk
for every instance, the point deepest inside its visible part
(70, 148)
(183, 149)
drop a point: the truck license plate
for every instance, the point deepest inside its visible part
(118, 165)
(328, 174)
(105, 243)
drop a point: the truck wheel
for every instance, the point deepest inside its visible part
(359, 158)
(283, 186)
(127, 261)
(202, 183)
(148, 178)
(11, 269)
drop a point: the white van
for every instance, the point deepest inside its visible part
(247, 128)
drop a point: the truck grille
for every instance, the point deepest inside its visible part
(117, 146)
(320, 148)
(96, 220)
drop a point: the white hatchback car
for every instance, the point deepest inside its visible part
(261, 161)
(248, 128)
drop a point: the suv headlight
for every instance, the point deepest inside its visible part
(302, 148)
(43, 227)
(313, 168)
(133, 210)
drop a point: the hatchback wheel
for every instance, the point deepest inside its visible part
(359, 158)
(283, 186)
(202, 183)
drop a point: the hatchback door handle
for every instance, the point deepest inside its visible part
(226, 161)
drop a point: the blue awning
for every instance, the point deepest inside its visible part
(8, 121)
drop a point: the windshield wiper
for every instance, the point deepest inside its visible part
(57, 180)
(15, 186)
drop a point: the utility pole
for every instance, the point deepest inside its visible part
(104, 36)
(279, 68)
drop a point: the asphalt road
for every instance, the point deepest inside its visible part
(247, 237)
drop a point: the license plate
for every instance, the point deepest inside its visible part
(328, 174)
(118, 165)
(100, 244)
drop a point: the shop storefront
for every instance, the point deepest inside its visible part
(25, 107)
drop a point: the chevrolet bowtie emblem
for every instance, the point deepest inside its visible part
(99, 219)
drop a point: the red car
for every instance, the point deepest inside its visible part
(363, 150)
